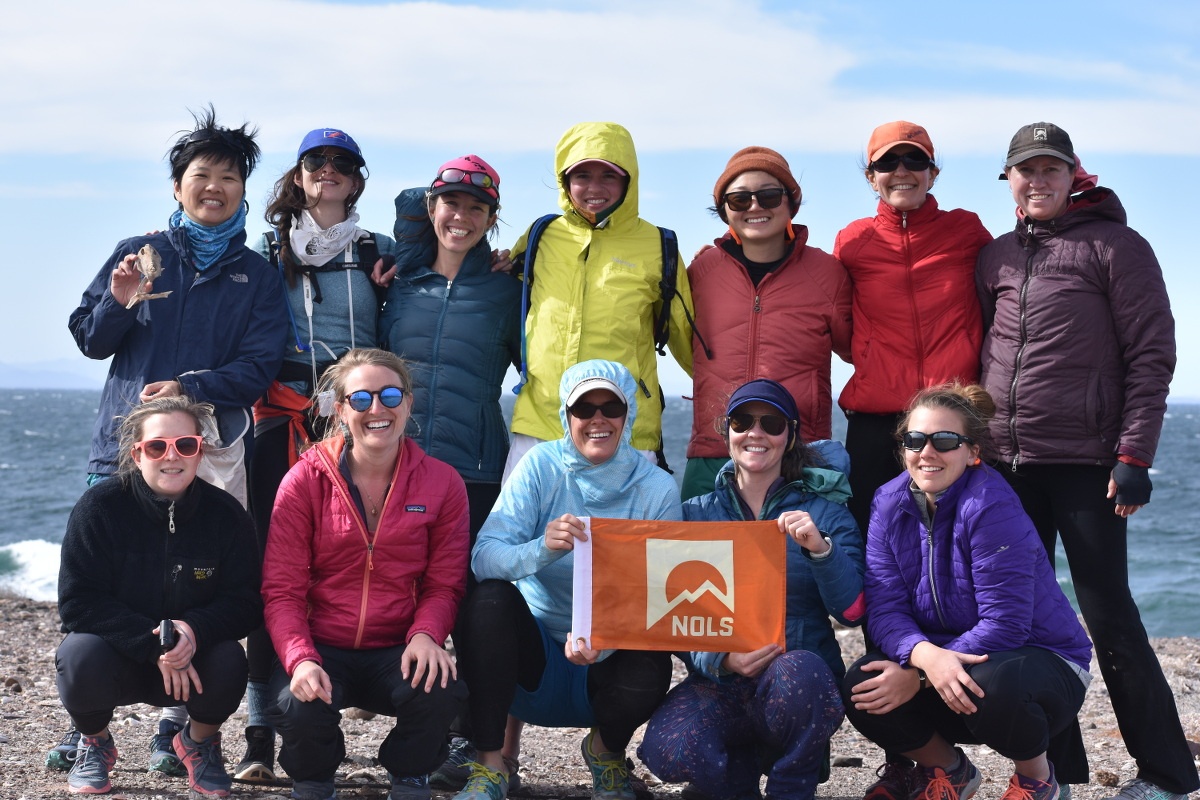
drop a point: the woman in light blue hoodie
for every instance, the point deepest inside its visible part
(514, 653)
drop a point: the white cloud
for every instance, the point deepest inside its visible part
(117, 78)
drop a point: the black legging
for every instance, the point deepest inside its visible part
(1031, 700)
(1068, 501)
(501, 648)
(267, 469)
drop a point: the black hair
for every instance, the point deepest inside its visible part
(229, 145)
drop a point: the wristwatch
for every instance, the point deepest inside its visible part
(923, 678)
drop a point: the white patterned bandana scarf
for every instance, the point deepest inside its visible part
(314, 246)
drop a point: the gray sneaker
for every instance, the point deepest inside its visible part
(204, 764)
(95, 760)
(1141, 789)
(313, 790)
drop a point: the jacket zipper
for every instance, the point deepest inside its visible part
(1022, 305)
(344, 492)
(172, 576)
(933, 590)
(912, 299)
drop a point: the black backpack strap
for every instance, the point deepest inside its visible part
(531, 245)
(667, 287)
(368, 254)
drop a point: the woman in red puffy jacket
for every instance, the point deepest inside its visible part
(916, 314)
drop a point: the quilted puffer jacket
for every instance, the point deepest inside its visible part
(976, 581)
(916, 316)
(327, 579)
(1080, 344)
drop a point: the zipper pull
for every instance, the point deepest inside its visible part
(757, 305)
(645, 391)
(371, 557)
(175, 570)
(904, 220)
(171, 517)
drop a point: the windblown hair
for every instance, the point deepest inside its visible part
(334, 379)
(133, 425)
(974, 406)
(225, 145)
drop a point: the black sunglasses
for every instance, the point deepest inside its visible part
(943, 441)
(343, 164)
(772, 424)
(389, 396)
(613, 409)
(913, 162)
(767, 198)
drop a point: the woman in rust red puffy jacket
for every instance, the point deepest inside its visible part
(768, 305)
(916, 315)
(366, 564)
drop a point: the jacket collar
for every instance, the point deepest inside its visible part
(894, 219)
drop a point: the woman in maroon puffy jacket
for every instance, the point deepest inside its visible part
(1079, 354)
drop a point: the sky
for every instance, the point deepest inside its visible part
(96, 93)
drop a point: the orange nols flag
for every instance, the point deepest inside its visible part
(655, 585)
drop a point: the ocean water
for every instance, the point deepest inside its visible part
(43, 458)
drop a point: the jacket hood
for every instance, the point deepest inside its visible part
(416, 244)
(598, 368)
(606, 141)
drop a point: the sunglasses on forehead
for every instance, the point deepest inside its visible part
(343, 164)
(771, 424)
(913, 162)
(389, 397)
(184, 447)
(767, 198)
(613, 409)
(455, 175)
(943, 441)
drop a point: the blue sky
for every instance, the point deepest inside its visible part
(95, 94)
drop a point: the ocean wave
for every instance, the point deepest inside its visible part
(35, 573)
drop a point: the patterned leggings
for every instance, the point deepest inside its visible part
(723, 736)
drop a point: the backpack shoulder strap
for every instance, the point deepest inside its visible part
(531, 245)
(670, 276)
(666, 286)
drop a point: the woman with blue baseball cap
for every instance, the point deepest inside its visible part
(738, 715)
(334, 274)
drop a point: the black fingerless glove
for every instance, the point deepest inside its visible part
(1133, 484)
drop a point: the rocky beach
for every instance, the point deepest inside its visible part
(32, 720)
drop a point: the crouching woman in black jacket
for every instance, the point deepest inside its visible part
(156, 548)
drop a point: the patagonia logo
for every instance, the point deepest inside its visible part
(418, 509)
(239, 277)
(203, 573)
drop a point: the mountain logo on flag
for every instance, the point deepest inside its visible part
(680, 572)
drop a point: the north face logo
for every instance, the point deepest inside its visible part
(685, 572)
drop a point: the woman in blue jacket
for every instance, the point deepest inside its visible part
(977, 642)
(738, 715)
(515, 651)
(456, 323)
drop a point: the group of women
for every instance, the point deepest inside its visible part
(376, 479)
